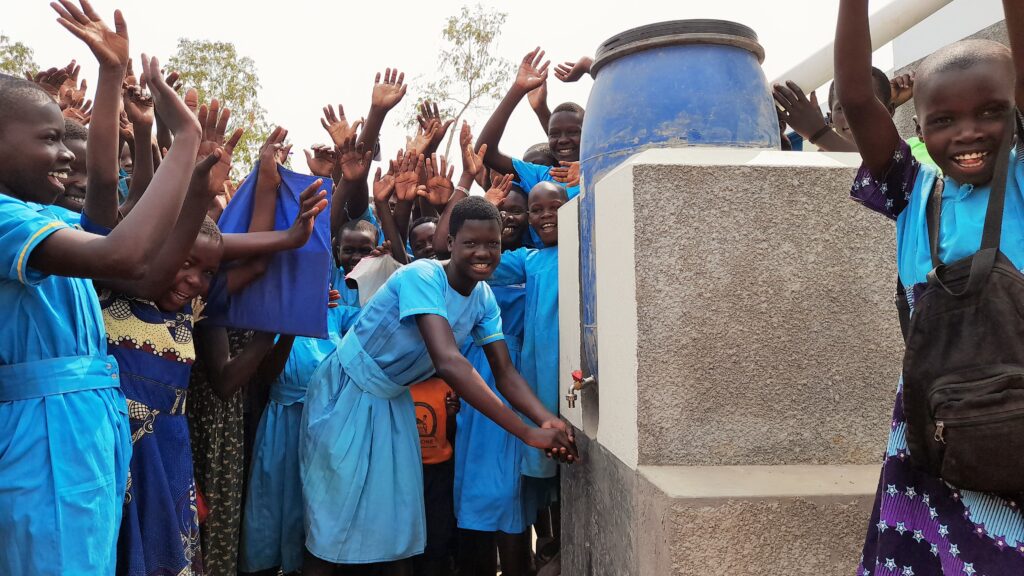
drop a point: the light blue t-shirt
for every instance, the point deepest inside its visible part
(44, 316)
(387, 326)
(341, 318)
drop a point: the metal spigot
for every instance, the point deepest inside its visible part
(578, 383)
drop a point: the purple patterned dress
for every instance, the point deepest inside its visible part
(920, 525)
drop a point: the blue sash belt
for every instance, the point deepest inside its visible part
(364, 372)
(53, 376)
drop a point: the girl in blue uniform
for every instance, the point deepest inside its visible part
(273, 535)
(489, 504)
(360, 460)
(64, 439)
(538, 268)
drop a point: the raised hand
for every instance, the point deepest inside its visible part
(354, 160)
(499, 190)
(902, 89)
(109, 46)
(72, 94)
(425, 134)
(389, 93)
(173, 113)
(321, 160)
(407, 178)
(268, 156)
(383, 250)
(438, 189)
(81, 115)
(138, 106)
(472, 162)
(49, 80)
(799, 111)
(573, 71)
(532, 73)
(568, 173)
(214, 121)
(430, 121)
(312, 203)
(383, 187)
(337, 125)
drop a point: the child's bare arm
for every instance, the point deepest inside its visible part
(128, 250)
(250, 244)
(532, 73)
(111, 50)
(386, 95)
(472, 166)
(538, 98)
(354, 159)
(228, 375)
(268, 180)
(1014, 12)
(383, 188)
(804, 115)
(869, 120)
(140, 113)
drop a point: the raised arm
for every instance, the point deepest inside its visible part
(126, 252)
(102, 149)
(1014, 12)
(869, 120)
(354, 160)
(453, 368)
(383, 189)
(408, 167)
(804, 115)
(538, 98)
(386, 95)
(472, 166)
(530, 76)
(139, 109)
(251, 244)
(573, 71)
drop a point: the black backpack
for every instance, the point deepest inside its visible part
(963, 370)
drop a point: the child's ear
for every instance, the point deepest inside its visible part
(917, 128)
(451, 242)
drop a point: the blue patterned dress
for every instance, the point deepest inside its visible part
(921, 525)
(160, 527)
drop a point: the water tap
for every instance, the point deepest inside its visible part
(578, 383)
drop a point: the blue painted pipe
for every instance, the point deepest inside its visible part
(667, 85)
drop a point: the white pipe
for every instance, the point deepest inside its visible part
(887, 23)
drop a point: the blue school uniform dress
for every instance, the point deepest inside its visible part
(273, 534)
(919, 523)
(362, 479)
(488, 482)
(529, 176)
(155, 352)
(64, 440)
(539, 270)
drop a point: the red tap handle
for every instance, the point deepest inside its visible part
(577, 375)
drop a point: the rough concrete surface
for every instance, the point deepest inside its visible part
(767, 330)
(784, 536)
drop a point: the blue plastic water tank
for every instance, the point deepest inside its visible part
(665, 85)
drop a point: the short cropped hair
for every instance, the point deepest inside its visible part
(963, 55)
(423, 220)
(210, 228)
(75, 131)
(360, 225)
(14, 91)
(568, 107)
(472, 208)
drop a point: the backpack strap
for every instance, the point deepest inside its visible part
(933, 217)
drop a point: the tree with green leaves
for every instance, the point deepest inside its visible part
(16, 58)
(470, 76)
(216, 70)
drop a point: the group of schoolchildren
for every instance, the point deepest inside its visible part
(421, 436)
(139, 436)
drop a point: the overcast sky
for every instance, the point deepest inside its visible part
(311, 53)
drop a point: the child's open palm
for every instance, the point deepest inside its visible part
(389, 93)
(355, 160)
(531, 72)
(438, 189)
(313, 201)
(109, 46)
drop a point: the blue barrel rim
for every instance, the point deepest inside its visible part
(676, 33)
